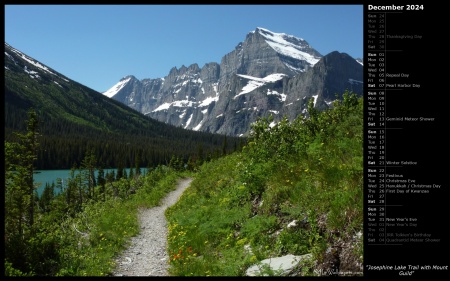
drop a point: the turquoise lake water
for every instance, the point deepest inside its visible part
(51, 176)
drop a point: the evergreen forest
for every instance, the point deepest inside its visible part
(74, 120)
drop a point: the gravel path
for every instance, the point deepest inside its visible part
(147, 255)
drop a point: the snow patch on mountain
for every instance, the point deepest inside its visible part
(281, 96)
(189, 121)
(209, 100)
(199, 125)
(33, 74)
(315, 99)
(279, 43)
(29, 60)
(178, 103)
(11, 58)
(255, 82)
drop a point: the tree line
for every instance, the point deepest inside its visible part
(63, 144)
(73, 118)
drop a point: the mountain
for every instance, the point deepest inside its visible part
(74, 118)
(267, 73)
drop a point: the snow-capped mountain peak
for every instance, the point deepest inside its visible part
(267, 73)
(289, 45)
(116, 88)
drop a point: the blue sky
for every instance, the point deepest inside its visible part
(97, 45)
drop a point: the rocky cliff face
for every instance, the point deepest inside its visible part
(267, 73)
(333, 74)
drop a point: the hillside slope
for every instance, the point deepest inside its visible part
(296, 190)
(74, 118)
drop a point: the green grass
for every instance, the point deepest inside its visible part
(309, 171)
(109, 225)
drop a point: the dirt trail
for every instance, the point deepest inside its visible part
(147, 254)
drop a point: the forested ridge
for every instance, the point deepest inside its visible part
(74, 119)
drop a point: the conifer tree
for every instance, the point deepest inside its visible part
(88, 166)
(20, 192)
(137, 164)
(101, 181)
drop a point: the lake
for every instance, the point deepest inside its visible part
(50, 176)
